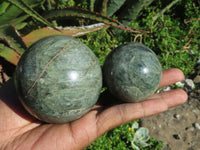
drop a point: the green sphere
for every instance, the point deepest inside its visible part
(58, 79)
(132, 72)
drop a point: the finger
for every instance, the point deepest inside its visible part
(120, 114)
(161, 102)
(171, 76)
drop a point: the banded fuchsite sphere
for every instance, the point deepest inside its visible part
(132, 72)
(58, 79)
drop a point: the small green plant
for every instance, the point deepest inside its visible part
(140, 138)
(126, 137)
(101, 43)
(174, 39)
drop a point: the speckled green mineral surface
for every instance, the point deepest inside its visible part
(58, 79)
(132, 72)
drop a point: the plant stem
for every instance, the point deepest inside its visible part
(104, 7)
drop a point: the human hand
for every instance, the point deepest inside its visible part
(19, 130)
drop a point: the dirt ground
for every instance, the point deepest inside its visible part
(179, 127)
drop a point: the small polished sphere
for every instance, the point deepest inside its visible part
(132, 72)
(58, 79)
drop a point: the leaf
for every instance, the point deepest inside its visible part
(11, 44)
(17, 22)
(164, 10)
(113, 6)
(70, 31)
(134, 146)
(104, 7)
(10, 13)
(131, 9)
(141, 137)
(9, 55)
(92, 2)
(3, 7)
(135, 126)
(20, 25)
(27, 9)
(84, 13)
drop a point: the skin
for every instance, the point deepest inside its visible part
(20, 131)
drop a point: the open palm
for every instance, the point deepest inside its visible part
(20, 131)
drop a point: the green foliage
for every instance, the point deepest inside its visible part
(140, 138)
(175, 41)
(3, 7)
(101, 43)
(122, 137)
(10, 13)
(82, 13)
(113, 6)
(130, 10)
(174, 36)
(17, 11)
(22, 5)
(11, 45)
(64, 3)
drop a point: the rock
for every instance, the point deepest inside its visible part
(190, 83)
(177, 136)
(192, 94)
(198, 91)
(177, 116)
(197, 79)
(168, 88)
(191, 129)
(197, 126)
(164, 89)
(58, 79)
(132, 72)
(180, 84)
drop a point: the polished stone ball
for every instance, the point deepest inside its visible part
(132, 72)
(58, 79)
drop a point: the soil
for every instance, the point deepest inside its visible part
(178, 128)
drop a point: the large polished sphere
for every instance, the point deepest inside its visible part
(58, 79)
(132, 72)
